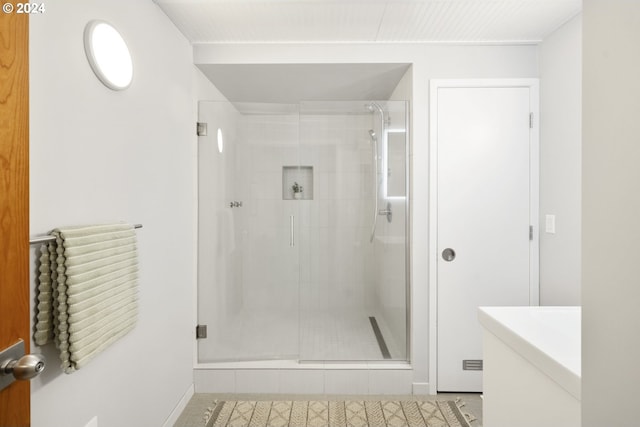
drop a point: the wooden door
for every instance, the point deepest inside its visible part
(14, 206)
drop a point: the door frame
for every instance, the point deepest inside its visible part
(15, 400)
(534, 161)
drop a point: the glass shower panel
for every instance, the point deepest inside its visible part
(248, 261)
(353, 283)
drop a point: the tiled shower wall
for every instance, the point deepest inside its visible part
(270, 265)
(337, 258)
(332, 260)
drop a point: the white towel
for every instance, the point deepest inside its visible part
(87, 291)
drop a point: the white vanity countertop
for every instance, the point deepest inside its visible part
(548, 337)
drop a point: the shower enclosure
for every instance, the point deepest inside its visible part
(303, 225)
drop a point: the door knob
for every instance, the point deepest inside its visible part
(448, 255)
(15, 365)
(25, 368)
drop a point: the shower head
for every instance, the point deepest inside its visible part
(372, 107)
(372, 134)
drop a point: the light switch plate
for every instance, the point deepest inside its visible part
(550, 224)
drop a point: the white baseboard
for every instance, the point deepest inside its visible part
(175, 414)
(420, 388)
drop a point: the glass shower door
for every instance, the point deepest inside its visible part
(303, 225)
(248, 261)
(353, 231)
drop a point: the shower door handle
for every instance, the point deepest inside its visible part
(292, 231)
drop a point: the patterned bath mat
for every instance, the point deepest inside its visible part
(349, 413)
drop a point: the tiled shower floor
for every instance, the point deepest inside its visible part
(344, 335)
(336, 335)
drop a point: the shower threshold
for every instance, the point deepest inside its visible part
(292, 364)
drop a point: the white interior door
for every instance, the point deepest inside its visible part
(484, 213)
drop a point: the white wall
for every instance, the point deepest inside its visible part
(610, 212)
(560, 164)
(429, 62)
(98, 155)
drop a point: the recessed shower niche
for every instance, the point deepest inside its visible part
(297, 183)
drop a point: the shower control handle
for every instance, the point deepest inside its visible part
(386, 212)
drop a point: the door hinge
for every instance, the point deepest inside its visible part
(201, 331)
(530, 120)
(201, 129)
(531, 232)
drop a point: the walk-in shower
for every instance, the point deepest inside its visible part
(303, 231)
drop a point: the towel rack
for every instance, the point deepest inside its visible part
(45, 239)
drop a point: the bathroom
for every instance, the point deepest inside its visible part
(133, 155)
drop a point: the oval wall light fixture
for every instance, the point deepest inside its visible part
(108, 55)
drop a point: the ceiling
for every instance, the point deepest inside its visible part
(408, 21)
(292, 83)
(350, 21)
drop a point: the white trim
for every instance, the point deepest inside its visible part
(182, 404)
(504, 42)
(421, 389)
(534, 182)
(534, 271)
(433, 236)
(296, 365)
